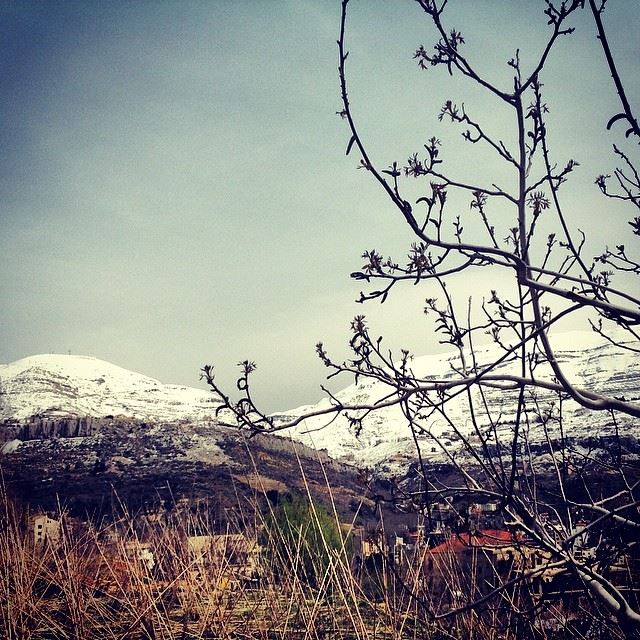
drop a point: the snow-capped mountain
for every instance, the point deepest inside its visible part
(63, 386)
(78, 431)
(385, 441)
(70, 385)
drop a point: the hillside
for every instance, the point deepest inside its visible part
(71, 385)
(385, 442)
(85, 432)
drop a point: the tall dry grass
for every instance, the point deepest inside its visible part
(99, 582)
(141, 578)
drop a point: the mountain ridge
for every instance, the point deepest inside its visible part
(57, 386)
(385, 442)
(75, 385)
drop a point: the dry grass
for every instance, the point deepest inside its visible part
(97, 582)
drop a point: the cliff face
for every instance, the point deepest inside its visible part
(37, 428)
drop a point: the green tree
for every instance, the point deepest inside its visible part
(305, 539)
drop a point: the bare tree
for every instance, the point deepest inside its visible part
(587, 500)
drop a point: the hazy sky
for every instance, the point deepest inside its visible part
(173, 185)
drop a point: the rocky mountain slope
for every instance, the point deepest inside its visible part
(142, 467)
(86, 433)
(385, 442)
(65, 385)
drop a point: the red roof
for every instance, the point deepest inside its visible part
(490, 538)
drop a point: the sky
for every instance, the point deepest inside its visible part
(173, 184)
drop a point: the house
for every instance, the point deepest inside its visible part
(46, 530)
(237, 554)
(470, 565)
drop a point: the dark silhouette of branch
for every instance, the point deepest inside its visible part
(548, 489)
(627, 113)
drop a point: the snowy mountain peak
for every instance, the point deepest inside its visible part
(385, 441)
(81, 367)
(71, 385)
(65, 385)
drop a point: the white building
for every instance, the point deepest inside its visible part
(46, 529)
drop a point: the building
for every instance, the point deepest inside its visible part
(468, 566)
(236, 554)
(46, 530)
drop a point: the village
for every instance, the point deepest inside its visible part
(447, 560)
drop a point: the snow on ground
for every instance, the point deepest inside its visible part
(385, 441)
(70, 385)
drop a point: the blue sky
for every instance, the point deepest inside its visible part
(173, 184)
